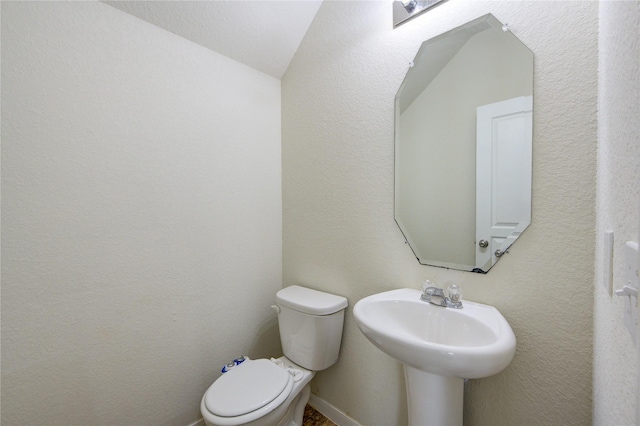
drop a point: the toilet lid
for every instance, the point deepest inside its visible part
(246, 388)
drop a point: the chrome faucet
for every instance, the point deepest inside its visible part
(452, 300)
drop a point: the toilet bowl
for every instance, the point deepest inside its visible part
(258, 392)
(274, 392)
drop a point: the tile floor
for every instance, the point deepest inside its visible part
(314, 418)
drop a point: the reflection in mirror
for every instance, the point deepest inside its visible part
(463, 146)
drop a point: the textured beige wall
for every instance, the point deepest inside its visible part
(339, 234)
(141, 214)
(615, 356)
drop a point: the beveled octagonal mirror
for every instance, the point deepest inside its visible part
(463, 144)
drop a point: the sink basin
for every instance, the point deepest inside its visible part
(469, 343)
(439, 348)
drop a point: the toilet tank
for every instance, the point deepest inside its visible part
(310, 323)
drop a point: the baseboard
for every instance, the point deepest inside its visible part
(197, 423)
(331, 412)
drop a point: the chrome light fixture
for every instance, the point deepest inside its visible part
(404, 10)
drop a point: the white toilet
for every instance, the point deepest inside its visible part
(274, 392)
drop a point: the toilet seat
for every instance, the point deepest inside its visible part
(248, 391)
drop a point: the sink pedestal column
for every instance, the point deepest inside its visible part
(433, 400)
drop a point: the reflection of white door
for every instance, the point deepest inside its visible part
(503, 175)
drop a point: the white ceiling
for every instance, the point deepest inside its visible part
(262, 34)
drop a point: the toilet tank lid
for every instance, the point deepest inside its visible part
(310, 301)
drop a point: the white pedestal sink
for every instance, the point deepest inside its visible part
(439, 347)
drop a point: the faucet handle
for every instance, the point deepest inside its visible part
(426, 284)
(454, 293)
